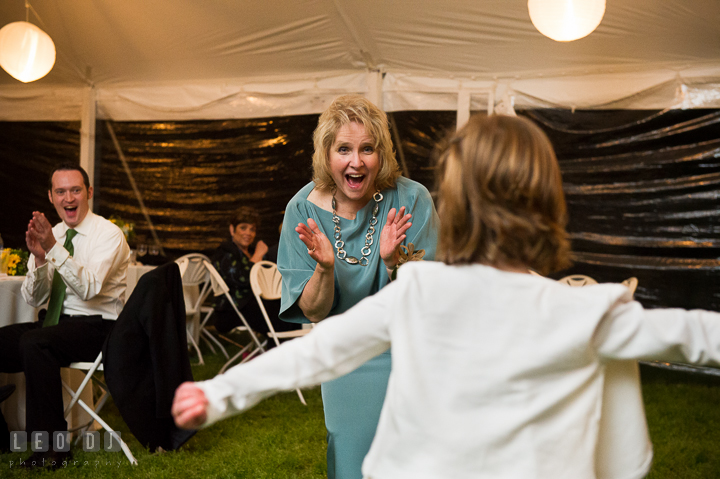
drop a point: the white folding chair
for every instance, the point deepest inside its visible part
(219, 286)
(266, 283)
(577, 280)
(631, 284)
(197, 286)
(582, 280)
(91, 369)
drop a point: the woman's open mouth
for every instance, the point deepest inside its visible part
(354, 181)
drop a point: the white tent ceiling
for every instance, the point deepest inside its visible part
(182, 59)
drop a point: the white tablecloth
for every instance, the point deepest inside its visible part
(134, 272)
(13, 310)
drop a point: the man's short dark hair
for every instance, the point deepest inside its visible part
(70, 167)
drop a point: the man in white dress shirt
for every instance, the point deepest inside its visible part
(79, 267)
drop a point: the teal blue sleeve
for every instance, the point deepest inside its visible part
(294, 264)
(425, 222)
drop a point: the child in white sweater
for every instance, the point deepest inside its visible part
(496, 373)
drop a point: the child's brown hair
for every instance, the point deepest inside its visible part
(500, 197)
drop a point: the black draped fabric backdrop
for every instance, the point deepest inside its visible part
(193, 175)
(28, 152)
(641, 185)
(642, 190)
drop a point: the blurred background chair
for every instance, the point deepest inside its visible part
(197, 286)
(91, 378)
(631, 284)
(254, 347)
(577, 280)
(266, 283)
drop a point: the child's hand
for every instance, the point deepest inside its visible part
(189, 407)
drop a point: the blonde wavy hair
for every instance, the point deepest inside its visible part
(500, 197)
(343, 111)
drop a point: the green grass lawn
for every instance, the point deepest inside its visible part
(281, 438)
(684, 422)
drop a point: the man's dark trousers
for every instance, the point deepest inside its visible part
(40, 353)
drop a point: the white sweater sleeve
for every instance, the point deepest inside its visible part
(335, 347)
(630, 332)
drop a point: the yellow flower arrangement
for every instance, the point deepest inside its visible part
(14, 261)
(127, 227)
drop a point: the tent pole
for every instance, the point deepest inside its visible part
(398, 146)
(491, 101)
(134, 186)
(463, 108)
(375, 89)
(87, 136)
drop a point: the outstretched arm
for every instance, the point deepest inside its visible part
(335, 347)
(630, 332)
(189, 407)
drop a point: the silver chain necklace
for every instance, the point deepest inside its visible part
(340, 244)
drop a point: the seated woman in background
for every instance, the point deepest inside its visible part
(233, 260)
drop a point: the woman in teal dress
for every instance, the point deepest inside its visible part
(340, 243)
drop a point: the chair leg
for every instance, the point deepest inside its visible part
(300, 395)
(197, 349)
(254, 353)
(88, 376)
(239, 354)
(105, 426)
(217, 343)
(273, 335)
(80, 430)
(209, 344)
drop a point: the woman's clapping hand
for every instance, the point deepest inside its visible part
(393, 234)
(318, 245)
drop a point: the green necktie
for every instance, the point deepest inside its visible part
(57, 293)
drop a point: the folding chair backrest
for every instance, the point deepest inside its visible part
(196, 280)
(265, 280)
(631, 284)
(577, 280)
(217, 283)
(219, 286)
(582, 280)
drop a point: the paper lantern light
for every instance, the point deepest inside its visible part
(566, 20)
(26, 52)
